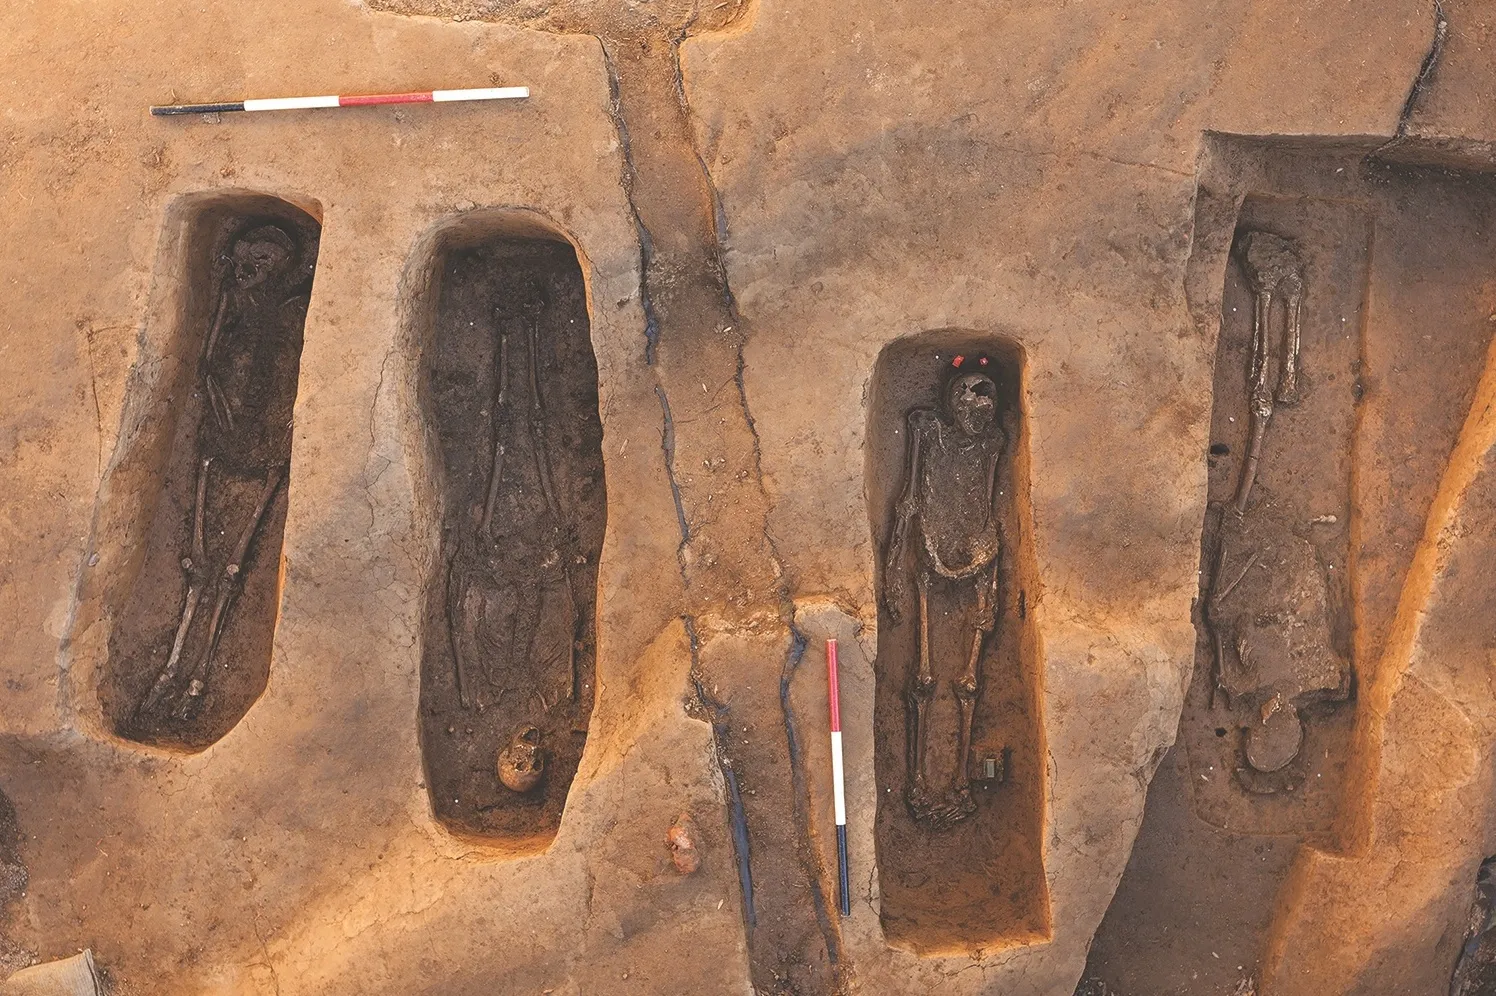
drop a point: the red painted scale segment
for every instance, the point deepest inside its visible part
(833, 690)
(367, 99)
(838, 786)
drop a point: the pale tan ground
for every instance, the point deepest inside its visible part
(881, 168)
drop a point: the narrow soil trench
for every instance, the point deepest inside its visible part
(737, 603)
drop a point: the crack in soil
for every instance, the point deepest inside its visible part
(731, 569)
(646, 243)
(1425, 69)
(809, 856)
(667, 444)
(736, 812)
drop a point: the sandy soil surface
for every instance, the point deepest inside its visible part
(776, 225)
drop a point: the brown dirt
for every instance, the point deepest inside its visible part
(1475, 971)
(1194, 904)
(979, 883)
(693, 342)
(734, 578)
(255, 367)
(504, 596)
(734, 581)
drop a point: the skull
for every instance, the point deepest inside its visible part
(526, 300)
(522, 763)
(261, 254)
(973, 403)
(1271, 263)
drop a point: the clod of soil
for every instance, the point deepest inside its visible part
(682, 840)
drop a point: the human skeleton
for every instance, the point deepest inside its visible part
(256, 279)
(949, 501)
(1268, 607)
(491, 619)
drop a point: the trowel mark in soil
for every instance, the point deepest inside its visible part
(190, 652)
(958, 741)
(508, 652)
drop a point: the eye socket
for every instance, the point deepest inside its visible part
(262, 256)
(983, 389)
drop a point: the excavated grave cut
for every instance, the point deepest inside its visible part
(214, 460)
(509, 637)
(1276, 632)
(1397, 320)
(977, 883)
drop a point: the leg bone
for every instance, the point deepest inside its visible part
(456, 590)
(968, 683)
(921, 691)
(1261, 400)
(496, 468)
(1288, 379)
(228, 587)
(575, 629)
(194, 565)
(1218, 597)
(537, 425)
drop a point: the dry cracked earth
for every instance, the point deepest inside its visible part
(423, 524)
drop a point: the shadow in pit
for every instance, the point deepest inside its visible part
(959, 743)
(509, 396)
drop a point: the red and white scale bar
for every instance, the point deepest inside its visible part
(359, 100)
(838, 779)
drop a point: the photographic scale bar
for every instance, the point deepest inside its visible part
(838, 786)
(360, 100)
